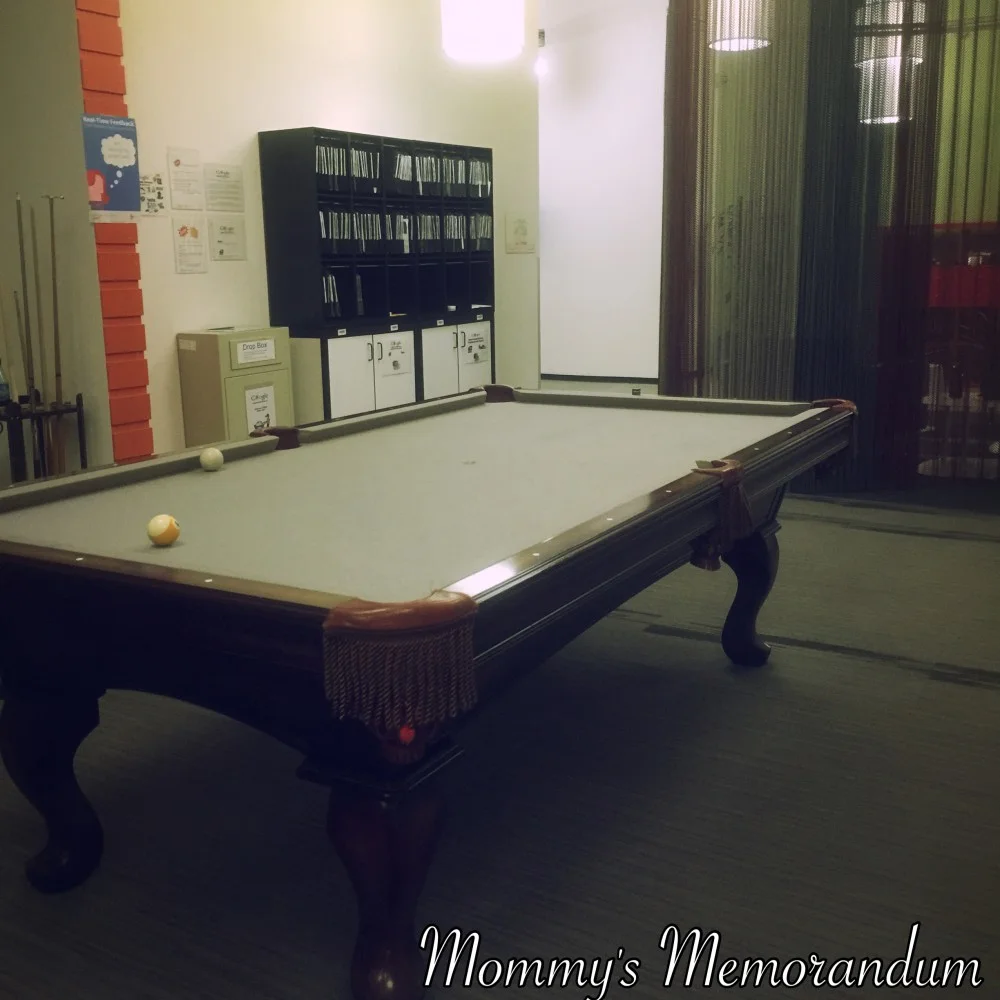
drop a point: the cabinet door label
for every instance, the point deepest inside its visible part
(261, 408)
(477, 347)
(397, 357)
(255, 350)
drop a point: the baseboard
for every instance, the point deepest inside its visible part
(600, 378)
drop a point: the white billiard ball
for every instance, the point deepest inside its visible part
(211, 459)
(163, 530)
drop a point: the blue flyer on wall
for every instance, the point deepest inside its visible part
(111, 150)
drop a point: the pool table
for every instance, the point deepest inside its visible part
(358, 588)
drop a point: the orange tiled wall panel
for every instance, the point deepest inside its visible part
(104, 104)
(123, 336)
(109, 8)
(117, 264)
(99, 33)
(102, 75)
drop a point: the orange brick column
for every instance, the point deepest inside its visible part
(103, 78)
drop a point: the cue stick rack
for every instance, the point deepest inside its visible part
(35, 421)
(40, 418)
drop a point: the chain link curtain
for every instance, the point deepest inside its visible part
(832, 178)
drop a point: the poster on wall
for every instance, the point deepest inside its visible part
(520, 237)
(152, 197)
(187, 190)
(261, 412)
(190, 245)
(111, 154)
(229, 237)
(223, 188)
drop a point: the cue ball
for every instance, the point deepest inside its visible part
(163, 530)
(211, 459)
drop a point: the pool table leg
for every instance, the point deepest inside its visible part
(39, 737)
(386, 843)
(754, 560)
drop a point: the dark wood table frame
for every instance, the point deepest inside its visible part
(255, 653)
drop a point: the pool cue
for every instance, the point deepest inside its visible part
(20, 337)
(44, 426)
(17, 343)
(29, 358)
(59, 432)
(20, 328)
(3, 340)
(5, 347)
(3, 344)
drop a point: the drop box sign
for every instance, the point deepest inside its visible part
(112, 157)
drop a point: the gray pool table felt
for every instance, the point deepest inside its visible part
(394, 513)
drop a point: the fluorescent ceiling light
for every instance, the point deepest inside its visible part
(739, 25)
(879, 55)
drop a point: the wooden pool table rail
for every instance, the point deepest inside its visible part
(533, 593)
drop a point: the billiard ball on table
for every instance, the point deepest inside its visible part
(211, 459)
(163, 530)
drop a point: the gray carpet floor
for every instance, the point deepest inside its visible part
(822, 805)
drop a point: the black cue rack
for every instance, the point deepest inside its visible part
(25, 421)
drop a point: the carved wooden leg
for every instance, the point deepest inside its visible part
(386, 845)
(39, 737)
(754, 560)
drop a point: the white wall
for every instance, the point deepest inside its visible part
(42, 153)
(211, 74)
(601, 178)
